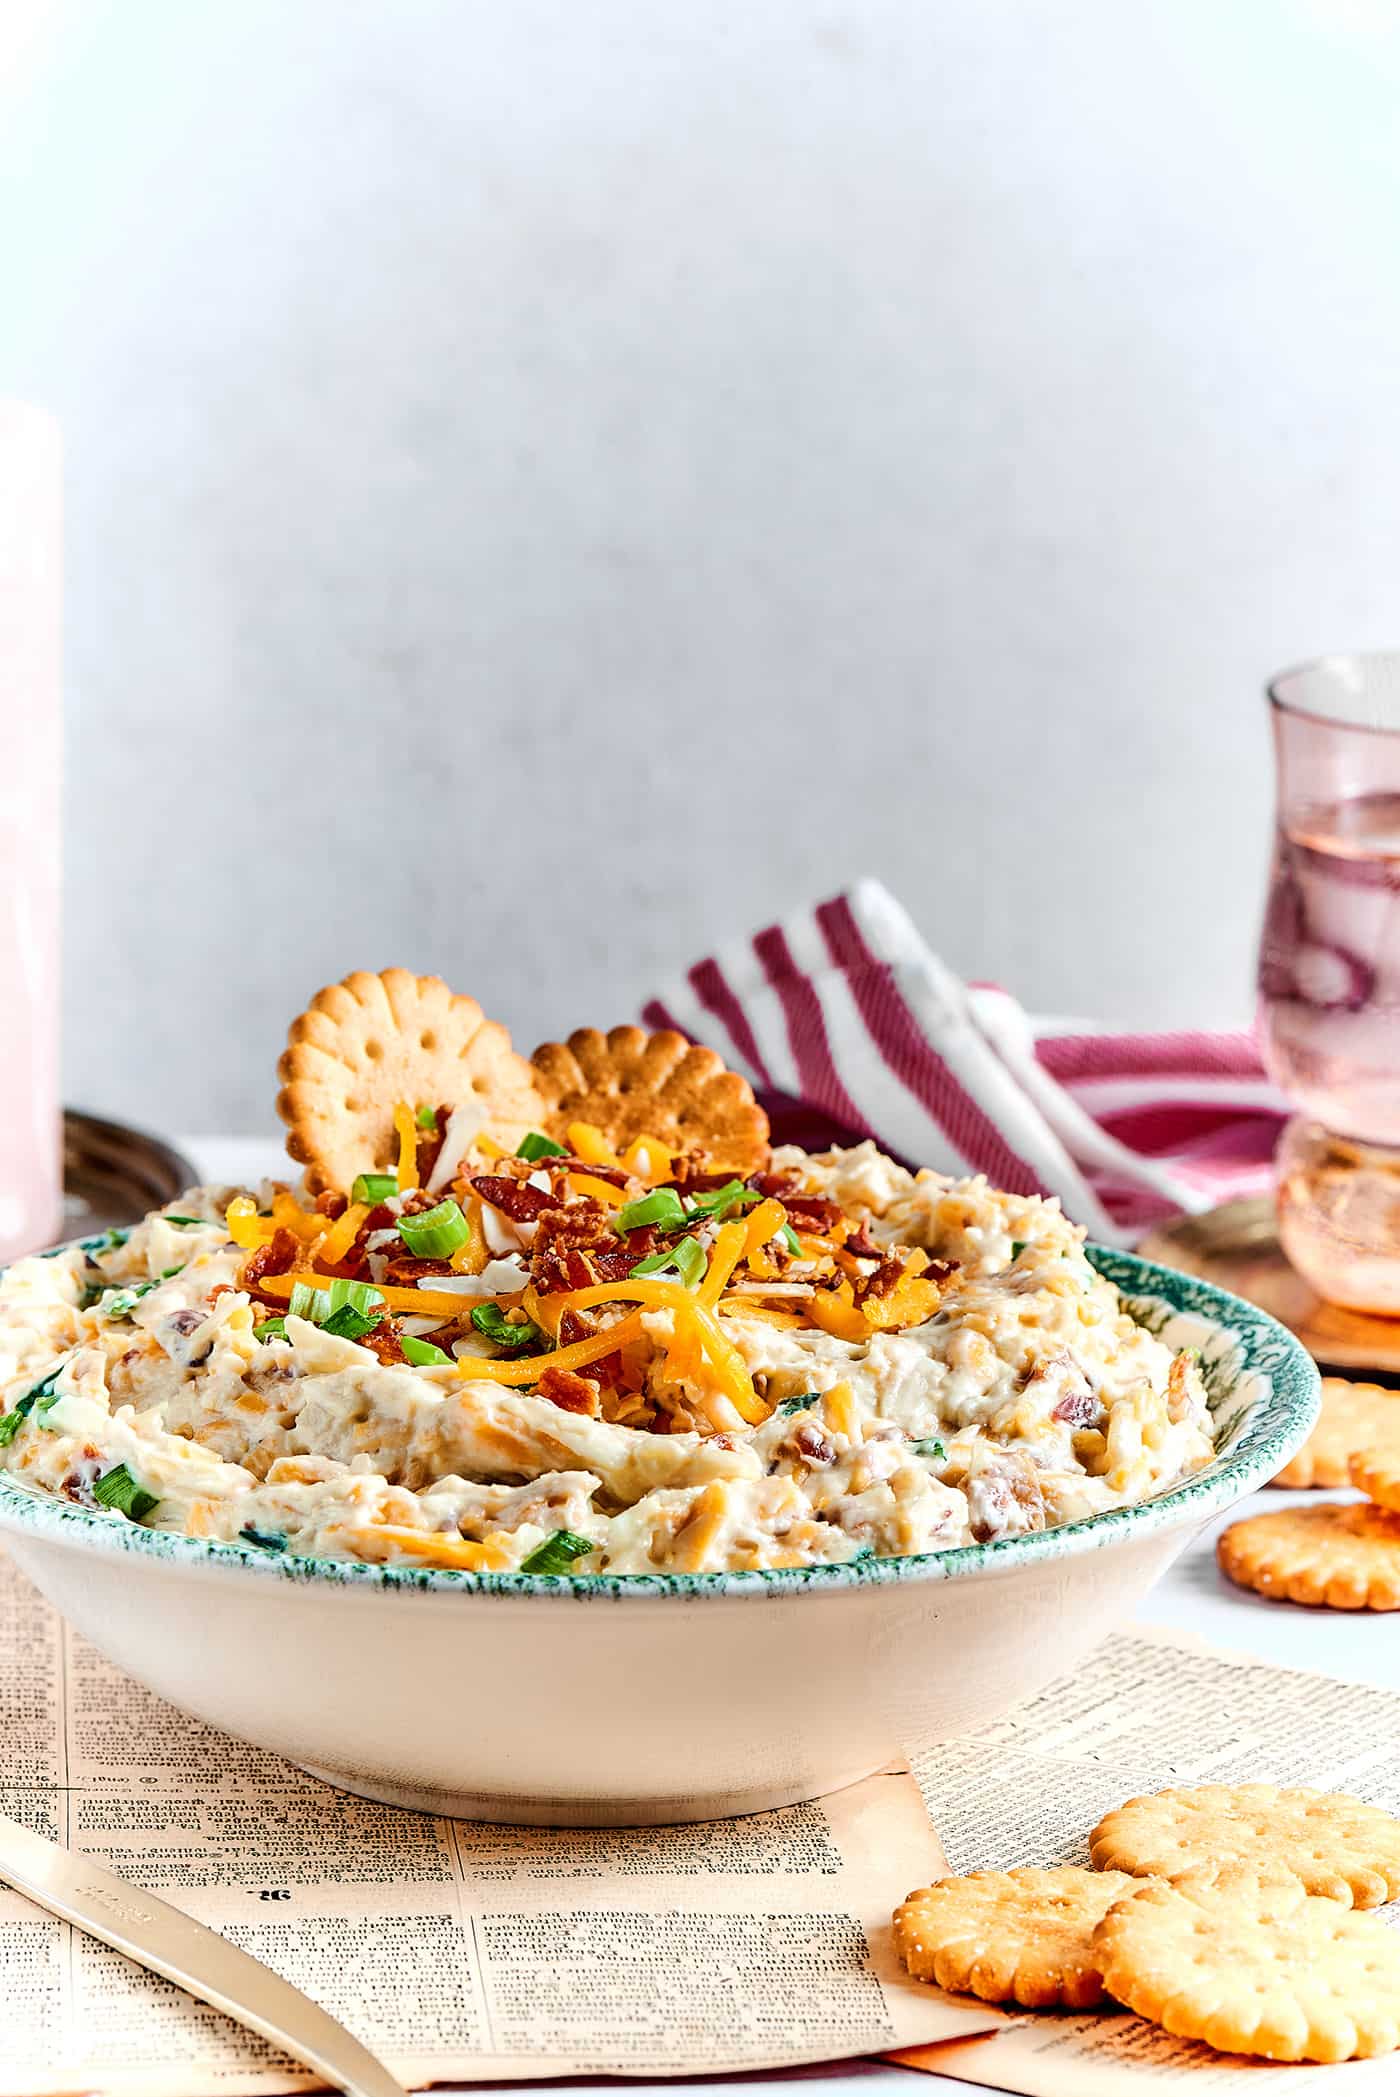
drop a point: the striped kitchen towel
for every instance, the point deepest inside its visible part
(849, 1025)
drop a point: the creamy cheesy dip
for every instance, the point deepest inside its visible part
(554, 1363)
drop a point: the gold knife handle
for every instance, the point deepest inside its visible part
(199, 1960)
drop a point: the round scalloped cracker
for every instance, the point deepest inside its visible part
(1376, 1471)
(1327, 1842)
(1251, 1966)
(1340, 1555)
(629, 1083)
(371, 1043)
(1354, 1417)
(1011, 1936)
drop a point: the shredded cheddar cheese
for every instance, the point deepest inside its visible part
(584, 1183)
(530, 1370)
(458, 1551)
(407, 1126)
(725, 1257)
(471, 1257)
(591, 1145)
(342, 1234)
(244, 1225)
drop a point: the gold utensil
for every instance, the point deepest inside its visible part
(197, 1959)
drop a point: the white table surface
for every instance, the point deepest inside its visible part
(1193, 1596)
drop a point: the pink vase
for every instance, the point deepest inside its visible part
(31, 1186)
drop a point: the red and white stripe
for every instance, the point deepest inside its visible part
(844, 1015)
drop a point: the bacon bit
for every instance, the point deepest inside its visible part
(937, 1270)
(513, 1198)
(812, 1212)
(383, 1341)
(571, 1393)
(774, 1184)
(279, 1256)
(612, 1175)
(331, 1204)
(861, 1244)
(404, 1269)
(883, 1282)
(1079, 1409)
(618, 1264)
(813, 1445)
(606, 1372)
(430, 1142)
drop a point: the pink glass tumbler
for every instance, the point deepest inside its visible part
(31, 1188)
(1329, 974)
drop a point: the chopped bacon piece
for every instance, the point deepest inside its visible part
(616, 1265)
(404, 1269)
(862, 1245)
(571, 1393)
(522, 1203)
(883, 1282)
(430, 1143)
(279, 1256)
(383, 1341)
(773, 1184)
(331, 1204)
(937, 1270)
(606, 1372)
(811, 1212)
(1079, 1409)
(813, 1446)
(613, 1175)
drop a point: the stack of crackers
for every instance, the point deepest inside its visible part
(1340, 1554)
(1224, 1914)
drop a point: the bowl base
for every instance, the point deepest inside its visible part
(511, 1809)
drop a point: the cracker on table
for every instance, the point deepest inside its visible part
(1376, 1471)
(1345, 1556)
(629, 1083)
(1254, 1966)
(1011, 1936)
(371, 1043)
(1354, 1416)
(1329, 1843)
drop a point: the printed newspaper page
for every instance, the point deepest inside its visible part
(1150, 1711)
(459, 1952)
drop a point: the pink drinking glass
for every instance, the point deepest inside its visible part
(31, 1186)
(1329, 974)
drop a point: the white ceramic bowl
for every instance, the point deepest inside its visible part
(585, 1701)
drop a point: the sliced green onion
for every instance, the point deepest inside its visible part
(42, 1396)
(124, 1302)
(374, 1187)
(322, 1305)
(361, 1296)
(490, 1319)
(558, 1552)
(1018, 1246)
(265, 1539)
(538, 1146)
(803, 1402)
(348, 1324)
(306, 1302)
(426, 1117)
(273, 1329)
(192, 1223)
(683, 1256)
(422, 1353)
(663, 1208)
(790, 1238)
(931, 1448)
(722, 1201)
(117, 1488)
(437, 1233)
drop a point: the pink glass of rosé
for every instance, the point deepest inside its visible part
(31, 1191)
(1329, 974)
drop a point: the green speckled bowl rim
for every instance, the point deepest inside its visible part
(1259, 1442)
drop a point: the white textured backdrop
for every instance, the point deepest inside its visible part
(553, 483)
